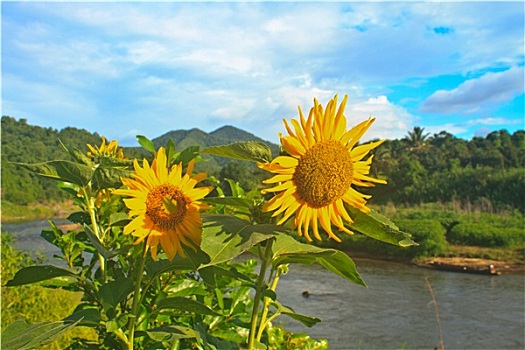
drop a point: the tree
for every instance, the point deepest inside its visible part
(416, 138)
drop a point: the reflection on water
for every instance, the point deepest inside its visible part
(395, 311)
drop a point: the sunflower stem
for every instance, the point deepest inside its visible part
(136, 297)
(259, 289)
(91, 209)
(264, 322)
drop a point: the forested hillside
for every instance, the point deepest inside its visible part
(486, 171)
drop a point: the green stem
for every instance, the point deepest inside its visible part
(136, 297)
(264, 322)
(91, 209)
(259, 288)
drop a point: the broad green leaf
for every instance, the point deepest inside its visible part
(170, 150)
(156, 268)
(115, 291)
(21, 336)
(308, 321)
(69, 187)
(235, 188)
(231, 201)
(184, 305)
(169, 333)
(107, 177)
(377, 226)
(287, 250)
(88, 316)
(52, 235)
(224, 237)
(79, 217)
(189, 153)
(33, 274)
(97, 244)
(62, 170)
(119, 219)
(77, 155)
(146, 143)
(208, 274)
(247, 150)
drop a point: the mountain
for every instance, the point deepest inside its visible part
(26, 143)
(222, 136)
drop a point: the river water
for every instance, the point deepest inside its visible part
(394, 311)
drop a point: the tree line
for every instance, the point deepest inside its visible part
(420, 168)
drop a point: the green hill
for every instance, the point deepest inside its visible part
(486, 171)
(26, 143)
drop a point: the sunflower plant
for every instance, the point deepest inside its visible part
(156, 253)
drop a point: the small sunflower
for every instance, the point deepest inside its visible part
(109, 150)
(323, 164)
(165, 205)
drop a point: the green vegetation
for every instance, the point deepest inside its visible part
(34, 302)
(448, 231)
(482, 180)
(485, 172)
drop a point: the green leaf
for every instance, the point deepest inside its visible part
(185, 305)
(169, 333)
(119, 219)
(88, 316)
(308, 321)
(146, 143)
(97, 244)
(208, 274)
(224, 237)
(231, 201)
(21, 336)
(189, 153)
(107, 177)
(115, 291)
(247, 150)
(77, 155)
(62, 170)
(287, 250)
(170, 151)
(156, 268)
(377, 226)
(68, 187)
(33, 274)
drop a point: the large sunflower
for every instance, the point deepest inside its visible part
(322, 166)
(165, 205)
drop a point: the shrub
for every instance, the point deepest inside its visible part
(429, 234)
(483, 235)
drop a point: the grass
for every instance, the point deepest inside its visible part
(12, 212)
(34, 302)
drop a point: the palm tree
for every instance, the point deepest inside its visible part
(416, 138)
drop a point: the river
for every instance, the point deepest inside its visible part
(395, 310)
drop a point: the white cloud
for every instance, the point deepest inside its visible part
(473, 94)
(167, 66)
(451, 128)
(392, 121)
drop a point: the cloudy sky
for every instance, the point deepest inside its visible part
(128, 68)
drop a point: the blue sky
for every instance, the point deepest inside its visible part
(128, 68)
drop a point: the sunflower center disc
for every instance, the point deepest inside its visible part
(166, 206)
(324, 173)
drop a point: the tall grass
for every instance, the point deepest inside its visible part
(34, 302)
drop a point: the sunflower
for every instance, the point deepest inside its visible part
(165, 205)
(317, 177)
(109, 150)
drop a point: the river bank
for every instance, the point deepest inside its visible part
(471, 258)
